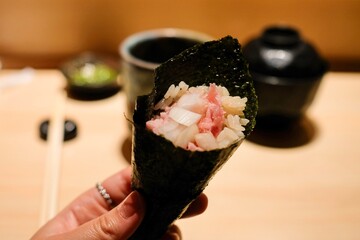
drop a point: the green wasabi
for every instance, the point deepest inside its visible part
(93, 75)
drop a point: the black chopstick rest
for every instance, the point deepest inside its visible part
(70, 130)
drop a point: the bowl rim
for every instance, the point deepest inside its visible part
(132, 40)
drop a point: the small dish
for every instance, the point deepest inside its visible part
(90, 77)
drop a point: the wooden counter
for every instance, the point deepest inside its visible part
(301, 185)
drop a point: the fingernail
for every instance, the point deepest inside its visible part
(134, 203)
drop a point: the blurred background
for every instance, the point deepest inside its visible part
(302, 183)
(43, 34)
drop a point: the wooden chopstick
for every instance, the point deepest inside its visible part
(55, 138)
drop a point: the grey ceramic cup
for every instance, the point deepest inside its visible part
(142, 52)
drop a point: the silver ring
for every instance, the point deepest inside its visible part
(104, 194)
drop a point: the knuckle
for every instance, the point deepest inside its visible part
(106, 228)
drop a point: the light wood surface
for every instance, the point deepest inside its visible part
(305, 188)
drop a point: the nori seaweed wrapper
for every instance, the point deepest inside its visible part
(170, 177)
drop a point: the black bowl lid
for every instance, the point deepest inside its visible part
(280, 51)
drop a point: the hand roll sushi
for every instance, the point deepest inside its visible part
(201, 108)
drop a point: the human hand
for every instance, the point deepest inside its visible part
(90, 217)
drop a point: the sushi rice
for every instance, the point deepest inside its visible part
(201, 118)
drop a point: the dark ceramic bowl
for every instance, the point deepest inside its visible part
(286, 71)
(283, 100)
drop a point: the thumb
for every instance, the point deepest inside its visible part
(119, 223)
